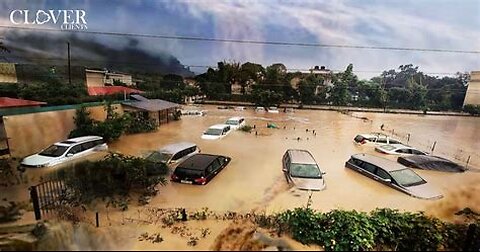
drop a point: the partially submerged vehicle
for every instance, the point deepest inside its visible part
(194, 112)
(273, 110)
(260, 109)
(301, 170)
(235, 122)
(399, 149)
(62, 152)
(199, 169)
(431, 163)
(173, 154)
(375, 138)
(216, 131)
(393, 175)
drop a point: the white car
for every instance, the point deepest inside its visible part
(398, 149)
(374, 138)
(236, 122)
(194, 112)
(216, 131)
(65, 151)
(240, 108)
(260, 109)
(273, 110)
(173, 154)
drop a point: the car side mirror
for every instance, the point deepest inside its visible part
(323, 173)
(284, 170)
(69, 154)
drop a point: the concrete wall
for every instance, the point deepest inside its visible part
(94, 79)
(473, 90)
(29, 133)
(8, 73)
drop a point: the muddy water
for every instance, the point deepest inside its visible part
(253, 179)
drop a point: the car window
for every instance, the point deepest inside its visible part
(221, 160)
(381, 140)
(416, 152)
(75, 149)
(54, 151)
(369, 167)
(383, 174)
(215, 165)
(357, 162)
(179, 155)
(88, 145)
(403, 151)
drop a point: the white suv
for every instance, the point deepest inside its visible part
(236, 122)
(374, 138)
(216, 131)
(65, 151)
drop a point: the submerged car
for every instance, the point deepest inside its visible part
(301, 170)
(398, 149)
(431, 163)
(173, 154)
(65, 151)
(273, 110)
(392, 174)
(235, 122)
(374, 138)
(260, 109)
(194, 112)
(216, 131)
(199, 169)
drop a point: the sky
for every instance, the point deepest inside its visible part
(430, 24)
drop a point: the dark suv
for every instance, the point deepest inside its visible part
(199, 169)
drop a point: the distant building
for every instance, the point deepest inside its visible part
(100, 78)
(158, 110)
(102, 82)
(8, 73)
(323, 72)
(473, 91)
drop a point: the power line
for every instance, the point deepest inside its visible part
(254, 42)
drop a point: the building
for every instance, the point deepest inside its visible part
(8, 73)
(159, 110)
(100, 78)
(102, 82)
(323, 72)
(473, 90)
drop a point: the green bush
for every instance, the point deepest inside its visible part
(472, 109)
(115, 175)
(246, 128)
(381, 229)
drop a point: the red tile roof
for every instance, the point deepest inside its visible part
(7, 102)
(112, 90)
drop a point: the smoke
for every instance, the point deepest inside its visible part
(115, 53)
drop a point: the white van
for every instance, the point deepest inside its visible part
(216, 131)
(236, 122)
(173, 154)
(65, 151)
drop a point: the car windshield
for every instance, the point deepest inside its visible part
(407, 177)
(232, 122)
(190, 173)
(159, 157)
(214, 132)
(305, 171)
(54, 151)
(388, 147)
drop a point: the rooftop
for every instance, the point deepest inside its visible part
(7, 102)
(151, 105)
(108, 90)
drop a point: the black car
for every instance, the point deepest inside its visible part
(199, 169)
(430, 163)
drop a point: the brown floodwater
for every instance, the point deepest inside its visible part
(254, 180)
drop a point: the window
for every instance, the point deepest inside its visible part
(416, 152)
(383, 174)
(407, 151)
(381, 140)
(88, 145)
(215, 165)
(54, 151)
(357, 162)
(221, 160)
(75, 149)
(179, 155)
(98, 142)
(369, 167)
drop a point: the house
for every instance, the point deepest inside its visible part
(159, 110)
(102, 82)
(473, 90)
(323, 72)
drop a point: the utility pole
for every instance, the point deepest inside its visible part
(69, 72)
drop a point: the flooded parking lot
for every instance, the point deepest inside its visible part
(254, 180)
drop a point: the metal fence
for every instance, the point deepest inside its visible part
(47, 197)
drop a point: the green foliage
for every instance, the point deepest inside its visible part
(115, 175)
(472, 109)
(382, 229)
(112, 127)
(266, 98)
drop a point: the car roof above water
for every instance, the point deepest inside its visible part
(198, 162)
(301, 156)
(384, 163)
(176, 147)
(219, 126)
(236, 118)
(76, 140)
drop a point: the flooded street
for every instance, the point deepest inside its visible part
(254, 180)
